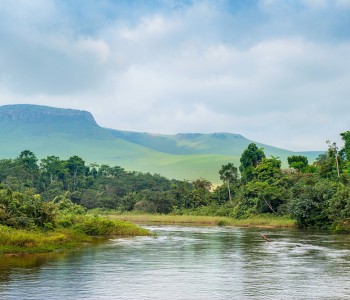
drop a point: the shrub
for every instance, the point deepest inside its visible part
(94, 225)
(25, 210)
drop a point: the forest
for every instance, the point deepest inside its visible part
(316, 195)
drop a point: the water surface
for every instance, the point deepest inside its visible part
(185, 262)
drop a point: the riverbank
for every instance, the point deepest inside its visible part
(23, 241)
(77, 230)
(256, 221)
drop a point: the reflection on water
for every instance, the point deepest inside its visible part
(188, 263)
(31, 263)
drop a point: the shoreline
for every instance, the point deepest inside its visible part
(21, 242)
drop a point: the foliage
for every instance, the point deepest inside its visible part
(329, 164)
(298, 162)
(58, 192)
(269, 170)
(25, 210)
(310, 203)
(188, 217)
(266, 197)
(345, 151)
(98, 226)
(229, 174)
(250, 159)
(31, 241)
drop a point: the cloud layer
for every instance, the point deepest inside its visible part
(277, 72)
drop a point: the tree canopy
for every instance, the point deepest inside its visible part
(315, 195)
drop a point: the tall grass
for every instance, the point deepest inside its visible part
(255, 221)
(25, 241)
(97, 226)
(75, 230)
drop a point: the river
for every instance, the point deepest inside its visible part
(188, 262)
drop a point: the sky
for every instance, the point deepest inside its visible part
(277, 72)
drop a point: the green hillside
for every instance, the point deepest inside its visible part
(227, 144)
(65, 132)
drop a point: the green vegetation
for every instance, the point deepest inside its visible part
(30, 225)
(48, 131)
(34, 241)
(55, 193)
(256, 221)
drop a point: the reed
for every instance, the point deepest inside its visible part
(102, 226)
(254, 221)
(34, 241)
(14, 241)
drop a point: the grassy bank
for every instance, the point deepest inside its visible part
(256, 221)
(81, 229)
(100, 226)
(20, 241)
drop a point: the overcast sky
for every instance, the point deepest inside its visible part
(277, 72)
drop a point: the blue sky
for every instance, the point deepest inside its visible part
(276, 71)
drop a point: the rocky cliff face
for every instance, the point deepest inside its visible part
(26, 113)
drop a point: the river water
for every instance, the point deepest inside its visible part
(184, 262)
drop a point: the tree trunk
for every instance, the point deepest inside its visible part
(269, 205)
(336, 159)
(229, 191)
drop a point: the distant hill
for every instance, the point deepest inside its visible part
(198, 143)
(65, 132)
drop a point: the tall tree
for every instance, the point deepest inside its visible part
(27, 168)
(76, 167)
(53, 167)
(333, 150)
(201, 193)
(250, 159)
(28, 159)
(228, 174)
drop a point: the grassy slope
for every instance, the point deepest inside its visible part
(188, 143)
(182, 156)
(116, 152)
(195, 143)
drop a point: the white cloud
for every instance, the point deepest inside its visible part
(154, 27)
(98, 48)
(187, 71)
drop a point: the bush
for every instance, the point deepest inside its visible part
(97, 226)
(25, 210)
(310, 204)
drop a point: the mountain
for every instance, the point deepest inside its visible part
(198, 143)
(66, 132)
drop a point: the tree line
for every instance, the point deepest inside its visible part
(317, 195)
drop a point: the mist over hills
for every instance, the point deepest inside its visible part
(198, 143)
(66, 132)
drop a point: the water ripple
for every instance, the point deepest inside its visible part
(184, 262)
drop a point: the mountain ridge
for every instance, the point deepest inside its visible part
(33, 112)
(64, 132)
